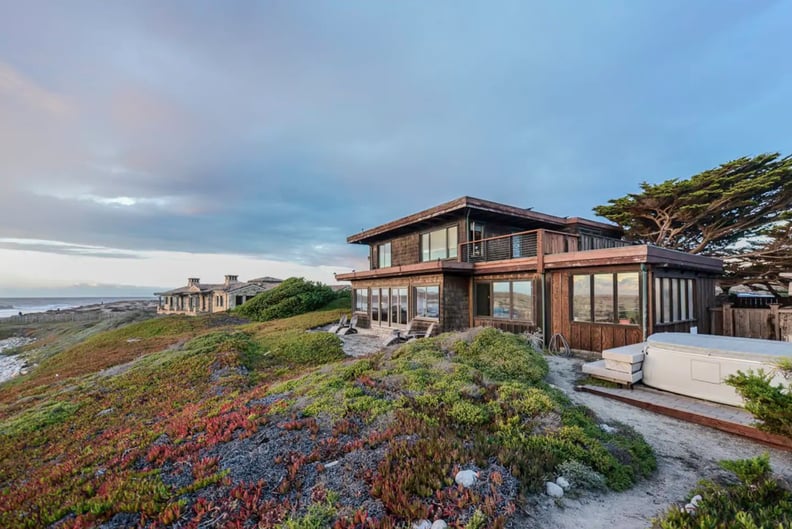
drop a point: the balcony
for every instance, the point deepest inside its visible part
(527, 244)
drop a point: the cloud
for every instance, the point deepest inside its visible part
(64, 248)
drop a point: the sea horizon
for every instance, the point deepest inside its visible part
(12, 306)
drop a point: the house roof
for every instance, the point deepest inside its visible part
(205, 288)
(265, 279)
(522, 216)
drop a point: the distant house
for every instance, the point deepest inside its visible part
(198, 298)
(473, 262)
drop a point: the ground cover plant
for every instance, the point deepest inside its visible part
(754, 500)
(770, 404)
(292, 297)
(267, 425)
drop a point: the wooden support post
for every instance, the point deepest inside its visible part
(540, 251)
(774, 322)
(728, 320)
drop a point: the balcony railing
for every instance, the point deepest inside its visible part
(529, 244)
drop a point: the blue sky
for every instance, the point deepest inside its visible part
(144, 142)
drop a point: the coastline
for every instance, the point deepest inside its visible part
(12, 306)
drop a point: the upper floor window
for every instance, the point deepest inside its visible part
(384, 255)
(439, 244)
(606, 298)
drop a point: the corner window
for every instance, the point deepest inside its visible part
(384, 255)
(361, 300)
(511, 300)
(427, 301)
(673, 300)
(439, 244)
(606, 298)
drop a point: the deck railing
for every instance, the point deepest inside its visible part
(533, 243)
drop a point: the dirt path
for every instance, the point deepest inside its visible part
(685, 452)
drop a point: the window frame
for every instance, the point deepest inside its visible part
(450, 250)
(381, 255)
(674, 300)
(592, 298)
(361, 294)
(490, 283)
(416, 307)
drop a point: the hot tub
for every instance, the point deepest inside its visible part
(696, 364)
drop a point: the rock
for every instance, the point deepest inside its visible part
(690, 508)
(562, 482)
(695, 500)
(553, 490)
(439, 524)
(105, 412)
(331, 464)
(607, 428)
(466, 478)
(422, 524)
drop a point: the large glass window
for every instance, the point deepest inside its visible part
(427, 301)
(361, 299)
(606, 298)
(581, 298)
(375, 314)
(439, 244)
(628, 291)
(511, 300)
(673, 300)
(384, 306)
(501, 299)
(603, 298)
(384, 255)
(398, 305)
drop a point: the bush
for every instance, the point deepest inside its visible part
(755, 501)
(297, 348)
(503, 356)
(771, 405)
(292, 297)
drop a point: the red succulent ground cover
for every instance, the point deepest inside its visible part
(258, 425)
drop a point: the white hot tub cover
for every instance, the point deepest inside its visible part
(697, 364)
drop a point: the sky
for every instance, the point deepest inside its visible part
(145, 142)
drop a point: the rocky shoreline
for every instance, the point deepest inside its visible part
(12, 365)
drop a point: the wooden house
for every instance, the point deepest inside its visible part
(472, 262)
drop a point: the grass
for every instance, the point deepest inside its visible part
(151, 439)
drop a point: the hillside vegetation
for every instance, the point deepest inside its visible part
(232, 424)
(292, 297)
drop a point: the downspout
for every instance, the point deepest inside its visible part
(644, 301)
(544, 309)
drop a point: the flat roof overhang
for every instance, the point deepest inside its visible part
(408, 270)
(637, 254)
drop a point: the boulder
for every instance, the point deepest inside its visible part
(439, 524)
(466, 478)
(553, 490)
(562, 482)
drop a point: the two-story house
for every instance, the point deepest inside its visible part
(472, 262)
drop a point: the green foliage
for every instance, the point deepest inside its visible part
(581, 476)
(710, 211)
(319, 516)
(295, 348)
(503, 356)
(47, 414)
(757, 501)
(749, 471)
(292, 297)
(468, 414)
(478, 520)
(771, 405)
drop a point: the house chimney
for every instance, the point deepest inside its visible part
(193, 281)
(231, 279)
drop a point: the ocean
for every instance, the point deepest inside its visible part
(13, 306)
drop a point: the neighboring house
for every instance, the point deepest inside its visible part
(472, 262)
(197, 298)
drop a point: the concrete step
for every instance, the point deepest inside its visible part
(623, 367)
(597, 369)
(631, 354)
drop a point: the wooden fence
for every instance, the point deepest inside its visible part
(772, 323)
(53, 317)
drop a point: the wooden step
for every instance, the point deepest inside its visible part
(598, 370)
(631, 354)
(624, 367)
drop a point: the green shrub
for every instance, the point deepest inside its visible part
(503, 356)
(468, 414)
(771, 405)
(757, 501)
(292, 297)
(296, 348)
(580, 475)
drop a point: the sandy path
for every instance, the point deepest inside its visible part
(685, 453)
